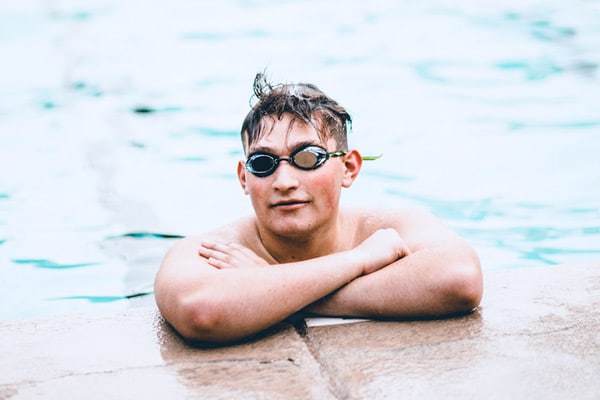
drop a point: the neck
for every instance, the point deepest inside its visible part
(288, 248)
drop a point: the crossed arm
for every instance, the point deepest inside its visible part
(220, 292)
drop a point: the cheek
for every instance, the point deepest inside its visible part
(332, 200)
(256, 191)
(329, 191)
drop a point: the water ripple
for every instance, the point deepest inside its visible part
(212, 132)
(473, 210)
(103, 299)
(48, 264)
(468, 73)
(147, 235)
(142, 109)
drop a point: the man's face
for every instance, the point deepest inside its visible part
(294, 202)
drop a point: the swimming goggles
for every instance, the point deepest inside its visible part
(306, 158)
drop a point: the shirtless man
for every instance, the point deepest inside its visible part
(301, 251)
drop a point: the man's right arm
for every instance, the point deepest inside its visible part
(229, 303)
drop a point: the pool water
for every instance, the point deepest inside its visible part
(119, 128)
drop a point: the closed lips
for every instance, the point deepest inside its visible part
(289, 202)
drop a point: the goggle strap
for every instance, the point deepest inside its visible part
(372, 158)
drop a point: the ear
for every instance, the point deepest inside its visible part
(241, 173)
(352, 164)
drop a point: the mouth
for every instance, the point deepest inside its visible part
(292, 204)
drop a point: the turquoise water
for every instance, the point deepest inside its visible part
(119, 128)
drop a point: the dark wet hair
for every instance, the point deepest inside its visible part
(305, 103)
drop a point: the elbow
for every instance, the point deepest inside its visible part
(196, 319)
(464, 288)
(206, 320)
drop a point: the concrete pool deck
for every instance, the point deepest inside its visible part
(536, 335)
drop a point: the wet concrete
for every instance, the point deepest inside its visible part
(536, 335)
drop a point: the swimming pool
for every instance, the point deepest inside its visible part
(119, 128)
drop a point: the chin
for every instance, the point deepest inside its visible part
(292, 231)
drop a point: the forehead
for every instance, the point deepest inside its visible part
(286, 134)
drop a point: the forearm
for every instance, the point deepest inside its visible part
(224, 292)
(431, 282)
(230, 304)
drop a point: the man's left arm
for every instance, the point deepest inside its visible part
(442, 276)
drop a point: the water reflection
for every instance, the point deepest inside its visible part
(275, 356)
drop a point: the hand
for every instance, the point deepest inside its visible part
(230, 255)
(381, 249)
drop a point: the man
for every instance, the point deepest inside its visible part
(302, 252)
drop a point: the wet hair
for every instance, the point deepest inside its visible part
(304, 102)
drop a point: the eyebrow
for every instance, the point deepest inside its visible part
(296, 146)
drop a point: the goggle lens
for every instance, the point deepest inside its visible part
(305, 158)
(308, 159)
(261, 163)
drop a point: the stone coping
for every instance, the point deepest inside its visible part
(536, 335)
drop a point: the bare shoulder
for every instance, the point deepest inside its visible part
(416, 225)
(397, 218)
(185, 251)
(182, 267)
(242, 230)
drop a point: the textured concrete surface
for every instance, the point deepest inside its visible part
(537, 335)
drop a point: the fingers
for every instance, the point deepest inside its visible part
(208, 250)
(216, 247)
(406, 251)
(229, 255)
(219, 255)
(219, 264)
(211, 249)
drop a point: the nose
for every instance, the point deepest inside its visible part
(285, 177)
